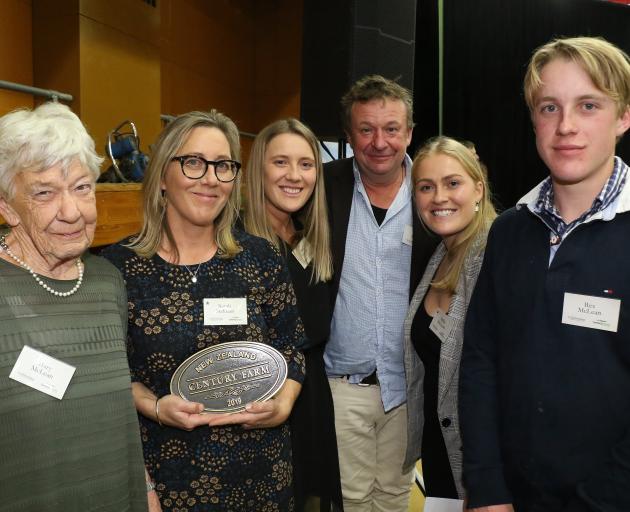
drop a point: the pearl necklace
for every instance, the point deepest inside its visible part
(38, 280)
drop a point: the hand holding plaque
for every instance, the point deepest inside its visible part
(176, 412)
(228, 376)
(267, 414)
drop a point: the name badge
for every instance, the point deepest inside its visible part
(42, 372)
(592, 312)
(228, 311)
(303, 253)
(407, 238)
(443, 505)
(441, 325)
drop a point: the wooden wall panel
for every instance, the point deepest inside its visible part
(106, 54)
(120, 80)
(16, 52)
(134, 18)
(123, 59)
(56, 48)
(278, 60)
(208, 58)
(240, 56)
(119, 212)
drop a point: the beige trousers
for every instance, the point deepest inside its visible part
(371, 446)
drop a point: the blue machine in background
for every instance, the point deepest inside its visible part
(123, 149)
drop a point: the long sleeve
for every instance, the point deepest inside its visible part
(478, 399)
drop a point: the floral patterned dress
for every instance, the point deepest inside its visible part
(211, 468)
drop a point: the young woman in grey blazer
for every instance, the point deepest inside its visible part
(453, 201)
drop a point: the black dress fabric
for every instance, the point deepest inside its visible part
(314, 443)
(436, 469)
(211, 468)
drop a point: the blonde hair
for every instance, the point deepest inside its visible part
(482, 219)
(313, 215)
(607, 66)
(172, 138)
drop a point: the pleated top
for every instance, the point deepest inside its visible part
(82, 452)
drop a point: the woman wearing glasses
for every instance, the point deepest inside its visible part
(187, 252)
(286, 204)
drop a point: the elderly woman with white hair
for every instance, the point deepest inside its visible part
(69, 437)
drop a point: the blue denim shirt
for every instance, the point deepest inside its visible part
(367, 325)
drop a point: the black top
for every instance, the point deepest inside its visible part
(312, 301)
(314, 443)
(379, 214)
(436, 469)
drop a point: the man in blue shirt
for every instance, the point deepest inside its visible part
(379, 253)
(545, 372)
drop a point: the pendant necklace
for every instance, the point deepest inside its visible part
(38, 280)
(193, 275)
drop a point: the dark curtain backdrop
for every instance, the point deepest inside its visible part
(487, 44)
(425, 92)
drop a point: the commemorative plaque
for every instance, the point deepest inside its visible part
(225, 377)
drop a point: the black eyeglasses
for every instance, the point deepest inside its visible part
(196, 167)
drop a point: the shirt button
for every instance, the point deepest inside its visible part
(446, 422)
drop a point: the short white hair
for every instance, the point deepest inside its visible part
(41, 138)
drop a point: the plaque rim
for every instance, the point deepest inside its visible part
(273, 352)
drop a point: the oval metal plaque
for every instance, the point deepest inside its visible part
(227, 376)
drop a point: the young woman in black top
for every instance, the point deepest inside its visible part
(452, 198)
(285, 203)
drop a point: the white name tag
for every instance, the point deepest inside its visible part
(443, 505)
(407, 238)
(592, 312)
(441, 325)
(229, 311)
(42, 372)
(303, 253)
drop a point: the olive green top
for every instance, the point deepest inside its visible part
(83, 452)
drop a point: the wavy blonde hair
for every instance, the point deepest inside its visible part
(313, 215)
(607, 66)
(468, 240)
(172, 138)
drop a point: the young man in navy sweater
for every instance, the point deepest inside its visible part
(545, 376)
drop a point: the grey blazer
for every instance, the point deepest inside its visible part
(449, 362)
